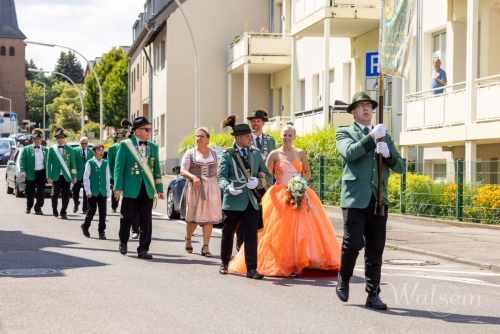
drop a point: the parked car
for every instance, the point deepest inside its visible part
(14, 183)
(5, 135)
(174, 191)
(24, 139)
(5, 150)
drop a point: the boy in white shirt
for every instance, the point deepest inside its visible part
(96, 180)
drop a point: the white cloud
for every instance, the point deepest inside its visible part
(92, 27)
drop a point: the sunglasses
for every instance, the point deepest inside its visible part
(145, 129)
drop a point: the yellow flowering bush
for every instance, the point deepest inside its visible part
(485, 204)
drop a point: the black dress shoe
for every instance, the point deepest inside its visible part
(252, 273)
(144, 255)
(376, 303)
(113, 210)
(55, 213)
(28, 211)
(223, 269)
(123, 248)
(85, 231)
(75, 208)
(84, 212)
(342, 290)
(63, 216)
(39, 213)
(102, 236)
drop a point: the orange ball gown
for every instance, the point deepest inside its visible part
(292, 239)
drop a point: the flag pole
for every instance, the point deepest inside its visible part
(380, 208)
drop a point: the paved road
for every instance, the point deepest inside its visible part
(97, 290)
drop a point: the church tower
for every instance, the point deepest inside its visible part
(12, 61)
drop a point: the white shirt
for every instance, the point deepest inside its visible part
(186, 159)
(39, 160)
(86, 177)
(141, 149)
(240, 150)
(362, 127)
(254, 137)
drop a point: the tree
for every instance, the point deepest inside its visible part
(68, 65)
(68, 117)
(112, 71)
(34, 102)
(66, 95)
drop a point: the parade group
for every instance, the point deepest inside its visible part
(280, 224)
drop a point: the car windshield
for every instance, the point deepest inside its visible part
(4, 145)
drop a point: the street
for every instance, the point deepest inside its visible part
(85, 286)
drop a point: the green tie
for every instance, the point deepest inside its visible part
(245, 154)
(259, 146)
(366, 130)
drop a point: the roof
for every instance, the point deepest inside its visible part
(8, 20)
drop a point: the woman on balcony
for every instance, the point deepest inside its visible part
(296, 235)
(201, 199)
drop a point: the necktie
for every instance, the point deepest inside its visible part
(61, 149)
(84, 157)
(244, 153)
(61, 146)
(366, 130)
(37, 147)
(259, 146)
(143, 143)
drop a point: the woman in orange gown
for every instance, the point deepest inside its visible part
(292, 239)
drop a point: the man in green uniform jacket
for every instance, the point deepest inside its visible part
(237, 176)
(60, 169)
(359, 147)
(82, 154)
(138, 177)
(111, 157)
(32, 167)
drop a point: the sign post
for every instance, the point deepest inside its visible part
(13, 119)
(1, 124)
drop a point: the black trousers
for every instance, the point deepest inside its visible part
(76, 194)
(250, 222)
(39, 183)
(60, 186)
(114, 201)
(363, 229)
(239, 230)
(94, 202)
(142, 205)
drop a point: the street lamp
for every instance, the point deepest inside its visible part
(95, 75)
(10, 109)
(41, 83)
(65, 76)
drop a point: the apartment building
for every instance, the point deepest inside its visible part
(163, 88)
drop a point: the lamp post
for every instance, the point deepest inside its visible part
(41, 83)
(10, 109)
(76, 88)
(95, 75)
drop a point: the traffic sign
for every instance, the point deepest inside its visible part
(1, 121)
(372, 84)
(371, 64)
(13, 117)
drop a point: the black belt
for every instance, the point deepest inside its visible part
(40, 170)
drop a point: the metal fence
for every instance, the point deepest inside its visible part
(430, 189)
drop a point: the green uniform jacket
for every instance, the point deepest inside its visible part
(226, 174)
(360, 167)
(80, 162)
(53, 166)
(27, 161)
(111, 157)
(129, 174)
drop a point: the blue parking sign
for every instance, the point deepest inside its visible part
(371, 64)
(13, 117)
(1, 121)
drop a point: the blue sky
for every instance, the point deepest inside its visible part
(92, 27)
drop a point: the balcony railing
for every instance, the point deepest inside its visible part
(305, 8)
(276, 123)
(424, 110)
(259, 44)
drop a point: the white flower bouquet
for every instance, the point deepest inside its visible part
(297, 188)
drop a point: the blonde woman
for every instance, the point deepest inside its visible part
(293, 238)
(201, 200)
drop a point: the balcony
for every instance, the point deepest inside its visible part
(266, 52)
(447, 113)
(350, 20)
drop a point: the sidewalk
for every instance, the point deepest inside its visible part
(469, 243)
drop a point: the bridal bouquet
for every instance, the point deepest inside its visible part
(297, 188)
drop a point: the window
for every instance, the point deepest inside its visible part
(137, 72)
(12, 51)
(162, 131)
(303, 95)
(163, 55)
(439, 47)
(440, 171)
(2, 51)
(331, 79)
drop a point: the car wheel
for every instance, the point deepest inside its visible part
(17, 193)
(171, 213)
(9, 189)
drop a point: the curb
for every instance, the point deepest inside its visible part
(462, 260)
(430, 220)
